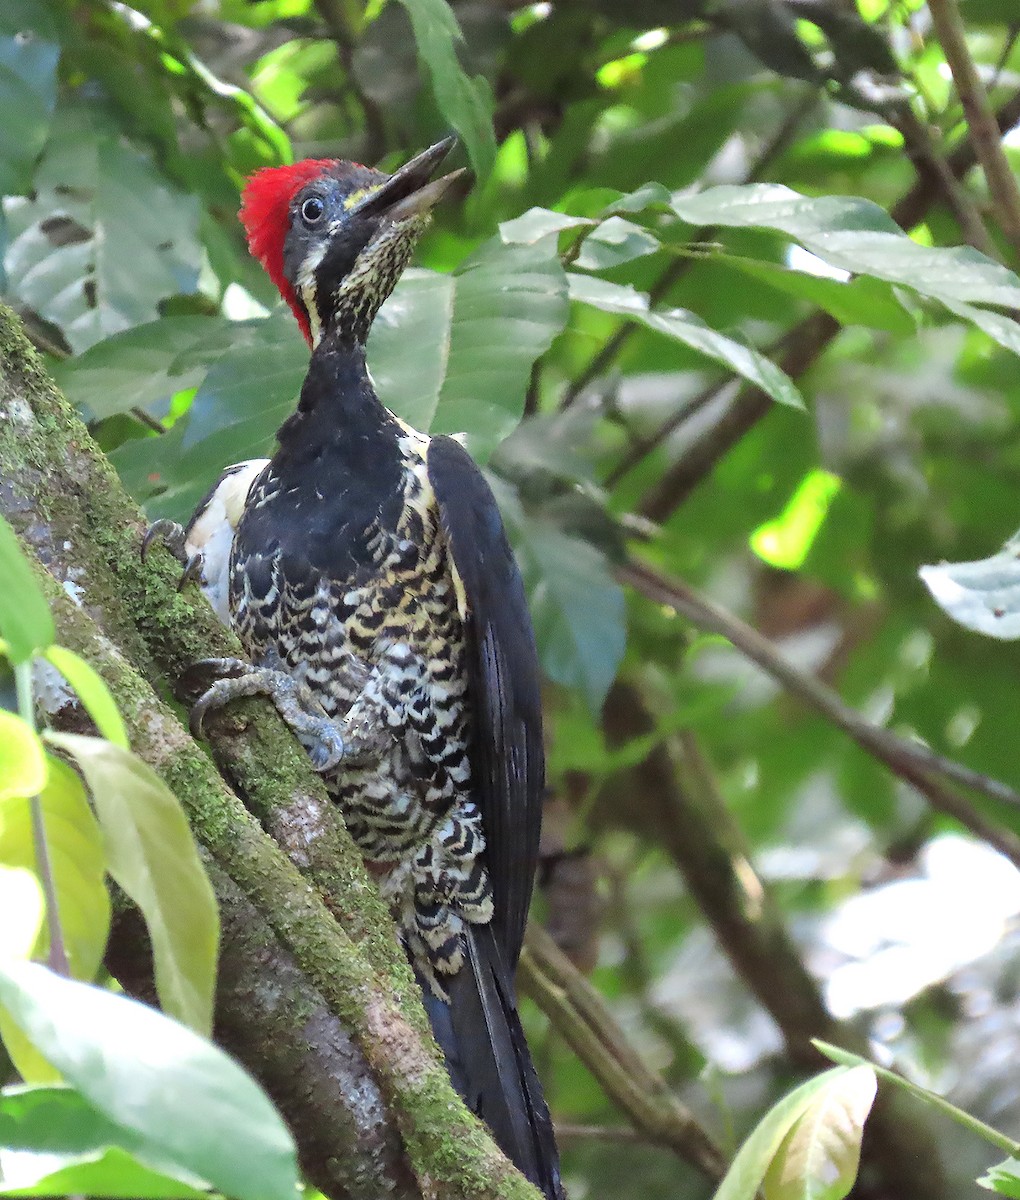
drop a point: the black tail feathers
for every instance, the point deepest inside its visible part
(480, 1034)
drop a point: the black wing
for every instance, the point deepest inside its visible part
(507, 754)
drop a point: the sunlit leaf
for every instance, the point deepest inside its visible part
(152, 856)
(1003, 1178)
(76, 859)
(23, 906)
(53, 1142)
(691, 330)
(819, 1157)
(856, 235)
(983, 596)
(91, 691)
(25, 620)
(536, 224)
(22, 760)
(754, 1158)
(182, 1097)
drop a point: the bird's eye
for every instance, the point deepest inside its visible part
(312, 210)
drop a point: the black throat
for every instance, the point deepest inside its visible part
(338, 471)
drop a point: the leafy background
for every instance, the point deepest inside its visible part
(657, 220)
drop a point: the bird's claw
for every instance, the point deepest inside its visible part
(321, 738)
(171, 533)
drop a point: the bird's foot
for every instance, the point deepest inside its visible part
(171, 533)
(320, 736)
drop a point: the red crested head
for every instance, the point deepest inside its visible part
(334, 236)
(265, 215)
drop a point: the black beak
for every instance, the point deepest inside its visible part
(409, 192)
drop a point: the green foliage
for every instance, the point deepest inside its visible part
(179, 1102)
(808, 1145)
(25, 621)
(692, 201)
(153, 857)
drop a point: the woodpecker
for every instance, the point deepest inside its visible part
(367, 573)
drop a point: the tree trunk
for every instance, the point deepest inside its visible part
(315, 996)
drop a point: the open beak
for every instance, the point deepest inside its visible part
(409, 191)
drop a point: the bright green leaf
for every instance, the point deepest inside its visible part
(861, 300)
(77, 863)
(188, 1103)
(613, 242)
(153, 857)
(466, 102)
(25, 620)
(786, 541)
(691, 330)
(22, 759)
(91, 691)
(748, 1169)
(819, 1157)
(52, 1143)
(1003, 1178)
(23, 906)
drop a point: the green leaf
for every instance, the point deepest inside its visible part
(613, 242)
(25, 620)
(145, 366)
(153, 857)
(105, 238)
(77, 863)
(91, 691)
(858, 236)
(747, 1171)
(1003, 1178)
(510, 302)
(466, 102)
(29, 53)
(819, 1157)
(576, 606)
(536, 224)
(409, 350)
(861, 300)
(23, 906)
(53, 1143)
(691, 330)
(188, 1103)
(22, 759)
(983, 596)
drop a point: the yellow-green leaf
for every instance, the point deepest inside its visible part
(23, 907)
(77, 864)
(22, 759)
(819, 1157)
(153, 857)
(25, 619)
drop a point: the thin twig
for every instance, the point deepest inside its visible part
(984, 129)
(581, 1017)
(911, 761)
(805, 343)
(921, 145)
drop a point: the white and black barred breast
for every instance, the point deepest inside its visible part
(383, 653)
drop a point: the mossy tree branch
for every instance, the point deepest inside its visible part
(346, 981)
